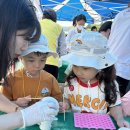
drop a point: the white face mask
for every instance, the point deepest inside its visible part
(79, 27)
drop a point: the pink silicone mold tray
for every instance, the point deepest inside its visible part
(97, 121)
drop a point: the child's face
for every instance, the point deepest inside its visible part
(33, 63)
(85, 73)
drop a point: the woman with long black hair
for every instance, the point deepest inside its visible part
(19, 27)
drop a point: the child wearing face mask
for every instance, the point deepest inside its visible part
(32, 83)
(78, 23)
(91, 85)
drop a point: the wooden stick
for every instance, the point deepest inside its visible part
(35, 98)
(64, 109)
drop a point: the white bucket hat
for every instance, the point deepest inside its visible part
(89, 49)
(40, 46)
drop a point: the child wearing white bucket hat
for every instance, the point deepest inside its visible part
(31, 83)
(91, 86)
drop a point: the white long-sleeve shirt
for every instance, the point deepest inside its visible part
(119, 43)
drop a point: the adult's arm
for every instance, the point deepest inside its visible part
(11, 121)
(62, 50)
(48, 105)
(6, 105)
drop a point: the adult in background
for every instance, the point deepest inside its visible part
(18, 27)
(74, 21)
(56, 39)
(78, 23)
(94, 28)
(119, 44)
(105, 29)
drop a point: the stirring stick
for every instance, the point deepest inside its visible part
(64, 109)
(35, 98)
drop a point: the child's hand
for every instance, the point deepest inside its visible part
(125, 104)
(123, 123)
(23, 102)
(63, 106)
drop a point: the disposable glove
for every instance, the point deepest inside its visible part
(44, 110)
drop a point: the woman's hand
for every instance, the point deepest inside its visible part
(44, 110)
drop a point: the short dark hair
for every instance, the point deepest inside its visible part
(15, 15)
(74, 21)
(81, 17)
(105, 26)
(50, 14)
(93, 27)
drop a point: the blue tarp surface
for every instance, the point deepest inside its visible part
(106, 9)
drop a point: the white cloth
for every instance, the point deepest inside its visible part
(70, 35)
(119, 43)
(92, 99)
(44, 110)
